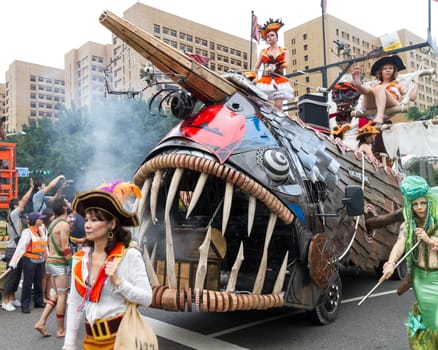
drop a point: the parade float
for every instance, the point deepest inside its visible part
(245, 207)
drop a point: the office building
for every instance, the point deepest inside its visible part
(85, 74)
(343, 42)
(223, 51)
(32, 92)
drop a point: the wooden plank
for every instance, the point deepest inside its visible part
(199, 80)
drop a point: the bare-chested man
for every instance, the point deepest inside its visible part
(57, 266)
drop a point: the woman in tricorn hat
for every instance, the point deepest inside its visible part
(388, 92)
(274, 59)
(108, 271)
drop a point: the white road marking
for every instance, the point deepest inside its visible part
(188, 338)
(252, 324)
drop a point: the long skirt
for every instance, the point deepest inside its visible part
(423, 320)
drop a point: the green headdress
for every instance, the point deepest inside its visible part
(413, 187)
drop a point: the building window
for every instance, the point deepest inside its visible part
(212, 45)
(32, 78)
(305, 47)
(173, 33)
(189, 38)
(166, 30)
(182, 36)
(304, 36)
(306, 58)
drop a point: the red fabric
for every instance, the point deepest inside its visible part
(256, 29)
(198, 58)
(96, 289)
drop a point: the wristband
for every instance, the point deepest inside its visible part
(66, 251)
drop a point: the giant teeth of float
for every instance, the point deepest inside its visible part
(157, 187)
(197, 192)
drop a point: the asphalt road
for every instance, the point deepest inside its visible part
(377, 324)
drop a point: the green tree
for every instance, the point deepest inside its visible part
(105, 143)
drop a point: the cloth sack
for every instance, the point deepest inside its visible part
(134, 333)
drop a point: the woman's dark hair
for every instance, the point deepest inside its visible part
(120, 234)
(379, 72)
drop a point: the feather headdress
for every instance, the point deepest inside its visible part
(271, 25)
(109, 198)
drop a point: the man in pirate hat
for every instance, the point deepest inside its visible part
(274, 59)
(388, 91)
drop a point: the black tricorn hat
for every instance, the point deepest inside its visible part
(106, 201)
(393, 59)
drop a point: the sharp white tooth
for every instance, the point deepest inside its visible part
(260, 279)
(170, 254)
(197, 192)
(281, 276)
(154, 194)
(144, 225)
(173, 188)
(251, 212)
(202, 264)
(144, 195)
(231, 286)
(154, 254)
(139, 202)
(150, 268)
(227, 206)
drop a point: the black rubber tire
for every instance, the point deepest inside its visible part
(326, 312)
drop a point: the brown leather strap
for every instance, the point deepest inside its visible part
(113, 326)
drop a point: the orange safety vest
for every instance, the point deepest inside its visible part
(37, 247)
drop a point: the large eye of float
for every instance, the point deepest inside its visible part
(276, 164)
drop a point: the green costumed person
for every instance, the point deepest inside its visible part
(421, 220)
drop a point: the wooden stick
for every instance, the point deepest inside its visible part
(382, 279)
(3, 275)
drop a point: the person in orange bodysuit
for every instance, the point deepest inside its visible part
(274, 59)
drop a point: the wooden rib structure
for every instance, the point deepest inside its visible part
(199, 80)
